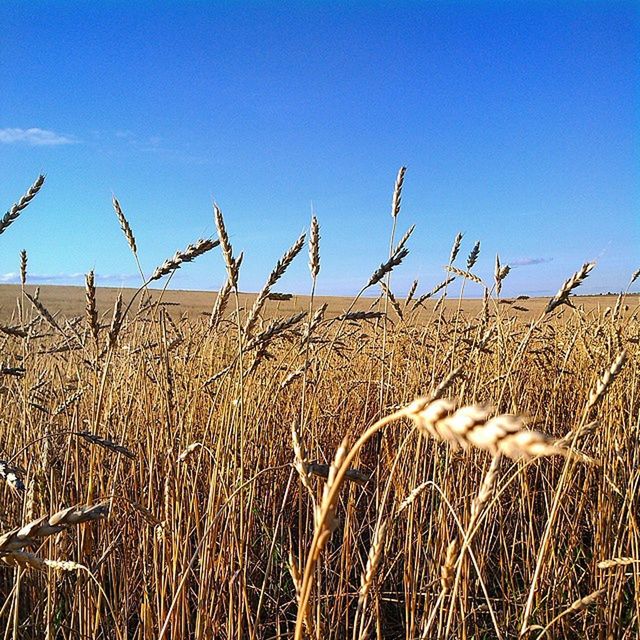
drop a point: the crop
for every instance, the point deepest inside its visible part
(392, 467)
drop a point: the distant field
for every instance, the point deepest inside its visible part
(70, 301)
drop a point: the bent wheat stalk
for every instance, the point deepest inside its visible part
(468, 426)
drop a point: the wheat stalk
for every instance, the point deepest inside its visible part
(577, 605)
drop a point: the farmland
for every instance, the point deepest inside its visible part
(229, 465)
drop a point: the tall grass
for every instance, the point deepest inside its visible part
(501, 503)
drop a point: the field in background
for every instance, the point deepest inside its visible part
(282, 469)
(69, 301)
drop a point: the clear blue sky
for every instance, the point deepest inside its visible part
(518, 122)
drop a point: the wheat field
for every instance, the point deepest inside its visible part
(416, 467)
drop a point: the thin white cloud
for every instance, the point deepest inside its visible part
(526, 262)
(13, 277)
(34, 137)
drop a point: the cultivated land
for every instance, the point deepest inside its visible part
(278, 469)
(69, 301)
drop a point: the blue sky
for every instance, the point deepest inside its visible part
(518, 122)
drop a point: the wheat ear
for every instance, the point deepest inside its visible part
(13, 213)
(562, 297)
(472, 426)
(125, 226)
(180, 257)
(278, 271)
(397, 192)
(23, 267)
(91, 307)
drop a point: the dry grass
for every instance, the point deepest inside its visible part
(503, 502)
